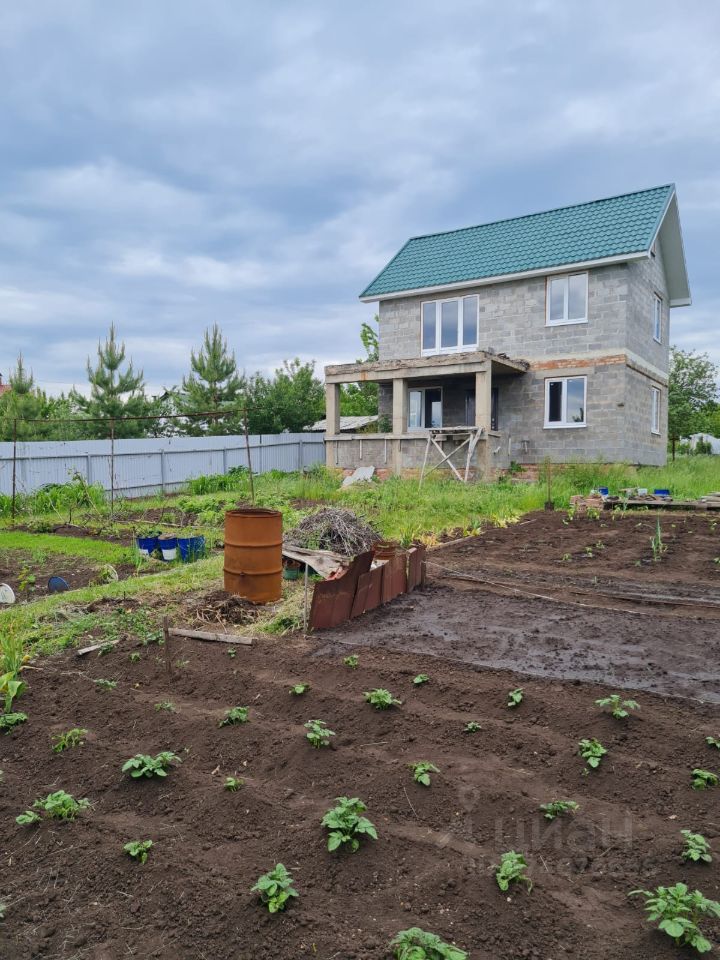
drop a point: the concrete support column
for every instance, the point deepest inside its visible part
(400, 406)
(483, 401)
(332, 409)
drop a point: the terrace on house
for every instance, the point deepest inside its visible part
(542, 336)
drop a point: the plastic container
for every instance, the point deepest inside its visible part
(604, 491)
(168, 547)
(191, 548)
(253, 554)
(661, 492)
(146, 545)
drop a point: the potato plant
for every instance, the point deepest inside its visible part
(421, 772)
(511, 869)
(472, 727)
(352, 661)
(275, 888)
(138, 849)
(620, 709)
(105, 684)
(142, 765)
(677, 911)
(232, 784)
(234, 715)
(10, 720)
(298, 689)
(69, 739)
(592, 752)
(515, 698)
(381, 699)
(557, 807)
(713, 742)
(417, 944)
(703, 779)
(347, 825)
(318, 733)
(166, 705)
(55, 806)
(697, 849)
(420, 679)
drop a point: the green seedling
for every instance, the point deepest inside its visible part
(511, 869)
(657, 544)
(232, 652)
(106, 648)
(233, 783)
(381, 699)
(234, 715)
(299, 689)
(420, 679)
(55, 806)
(557, 807)
(620, 708)
(697, 848)
(592, 752)
(472, 727)
(135, 657)
(10, 720)
(352, 661)
(142, 765)
(3, 910)
(416, 944)
(68, 740)
(703, 779)
(318, 733)
(713, 742)
(677, 911)
(566, 558)
(167, 705)
(346, 825)
(275, 888)
(105, 684)
(138, 849)
(422, 771)
(515, 698)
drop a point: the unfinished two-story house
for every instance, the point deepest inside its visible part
(544, 336)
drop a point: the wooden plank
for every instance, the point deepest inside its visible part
(232, 638)
(96, 646)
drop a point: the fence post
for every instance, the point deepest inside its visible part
(112, 470)
(301, 458)
(14, 470)
(162, 469)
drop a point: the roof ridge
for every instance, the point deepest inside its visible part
(524, 216)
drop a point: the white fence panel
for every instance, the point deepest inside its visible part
(155, 464)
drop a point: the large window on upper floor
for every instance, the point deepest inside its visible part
(450, 326)
(566, 299)
(565, 399)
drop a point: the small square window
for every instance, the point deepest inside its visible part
(565, 399)
(567, 299)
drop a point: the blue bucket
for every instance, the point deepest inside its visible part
(191, 548)
(146, 545)
(604, 491)
(168, 547)
(661, 492)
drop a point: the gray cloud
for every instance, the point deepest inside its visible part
(164, 166)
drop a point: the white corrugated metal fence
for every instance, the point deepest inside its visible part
(154, 464)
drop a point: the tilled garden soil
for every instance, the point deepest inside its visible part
(71, 892)
(29, 577)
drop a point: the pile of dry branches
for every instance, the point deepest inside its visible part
(338, 530)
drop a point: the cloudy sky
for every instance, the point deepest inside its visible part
(168, 164)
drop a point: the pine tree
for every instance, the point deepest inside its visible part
(23, 401)
(213, 385)
(116, 391)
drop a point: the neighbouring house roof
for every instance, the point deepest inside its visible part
(614, 229)
(347, 424)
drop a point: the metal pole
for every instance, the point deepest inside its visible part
(247, 450)
(305, 611)
(14, 472)
(112, 470)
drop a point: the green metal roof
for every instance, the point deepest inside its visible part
(556, 238)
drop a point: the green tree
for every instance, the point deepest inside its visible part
(361, 399)
(116, 390)
(213, 386)
(23, 401)
(692, 391)
(292, 399)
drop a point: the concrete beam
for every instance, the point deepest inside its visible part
(332, 408)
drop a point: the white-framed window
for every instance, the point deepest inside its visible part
(565, 399)
(657, 318)
(655, 421)
(566, 299)
(449, 326)
(424, 408)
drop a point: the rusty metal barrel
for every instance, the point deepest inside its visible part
(253, 554)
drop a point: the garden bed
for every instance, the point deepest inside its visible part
(72, 892)
(28, 576)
